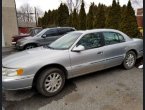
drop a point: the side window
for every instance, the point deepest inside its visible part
(112, 38)
(52, 32)
(62, 31)
(91, 41)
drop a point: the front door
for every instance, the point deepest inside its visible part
(89, 60)
(49, 36)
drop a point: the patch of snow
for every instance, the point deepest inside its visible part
(141, 66)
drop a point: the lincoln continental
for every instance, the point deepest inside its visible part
(77, 53)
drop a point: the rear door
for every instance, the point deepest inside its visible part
(114, 48)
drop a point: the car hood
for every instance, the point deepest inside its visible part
(21, 35)
(31, 56)
(27, 38)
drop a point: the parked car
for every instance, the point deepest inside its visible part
(46, 36)
(76, 53)
(33, 31)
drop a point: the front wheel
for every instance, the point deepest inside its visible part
(50, 81)
(29, 46)
(129, 60)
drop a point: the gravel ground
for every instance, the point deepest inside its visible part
(111, 89)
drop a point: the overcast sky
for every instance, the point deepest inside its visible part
(45, 5)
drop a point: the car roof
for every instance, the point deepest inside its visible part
(102, 30)
(97, 30)
(60, 27)
(36, 28)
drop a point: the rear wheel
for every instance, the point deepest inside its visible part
(129, 60)
(50, 82)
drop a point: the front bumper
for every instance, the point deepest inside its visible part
(19, 47)
(16, 83)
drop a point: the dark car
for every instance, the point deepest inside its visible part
(32, 32)
(45, 37)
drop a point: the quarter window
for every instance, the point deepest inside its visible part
(91, 41)
(121, 37)
(112, 38)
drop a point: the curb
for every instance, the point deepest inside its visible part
(6, 50)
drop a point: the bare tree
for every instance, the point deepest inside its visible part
(137, 3)
(25, 13)
(39, 12)
(73, 4)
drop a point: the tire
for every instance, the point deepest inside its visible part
(29, 46)
(129, 60)
(45, 81)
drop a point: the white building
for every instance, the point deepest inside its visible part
(9, 22)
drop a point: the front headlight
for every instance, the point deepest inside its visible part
(12, 72)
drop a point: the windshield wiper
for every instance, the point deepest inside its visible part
(49, 47)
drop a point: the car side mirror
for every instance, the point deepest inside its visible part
(43, 36)
(78, 48)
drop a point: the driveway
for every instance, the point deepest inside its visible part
(111, 89)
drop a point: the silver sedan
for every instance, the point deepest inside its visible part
(76, 53)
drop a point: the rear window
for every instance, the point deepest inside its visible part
(112, 38)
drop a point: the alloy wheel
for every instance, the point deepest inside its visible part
(53, 82)
(130, 60)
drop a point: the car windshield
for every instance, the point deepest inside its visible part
(41, 33)
(33, 32)
(66, 41)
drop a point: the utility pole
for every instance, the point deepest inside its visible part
(35, 16)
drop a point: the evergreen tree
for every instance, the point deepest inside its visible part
(113, 18)
(90, 17)
(55, 17)
(95, 11)
(123, 8)
(49, 17)
(128, 22)
(82, 17)
(45, 20)
(107, 9)
(52, 18)
(100, 17)
(39, 22)
(118, 15)
(75, 21)
(63, 15)
(70, 20)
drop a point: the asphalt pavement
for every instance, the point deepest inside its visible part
(110, 89)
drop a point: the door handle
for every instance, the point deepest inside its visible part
(100, 52)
